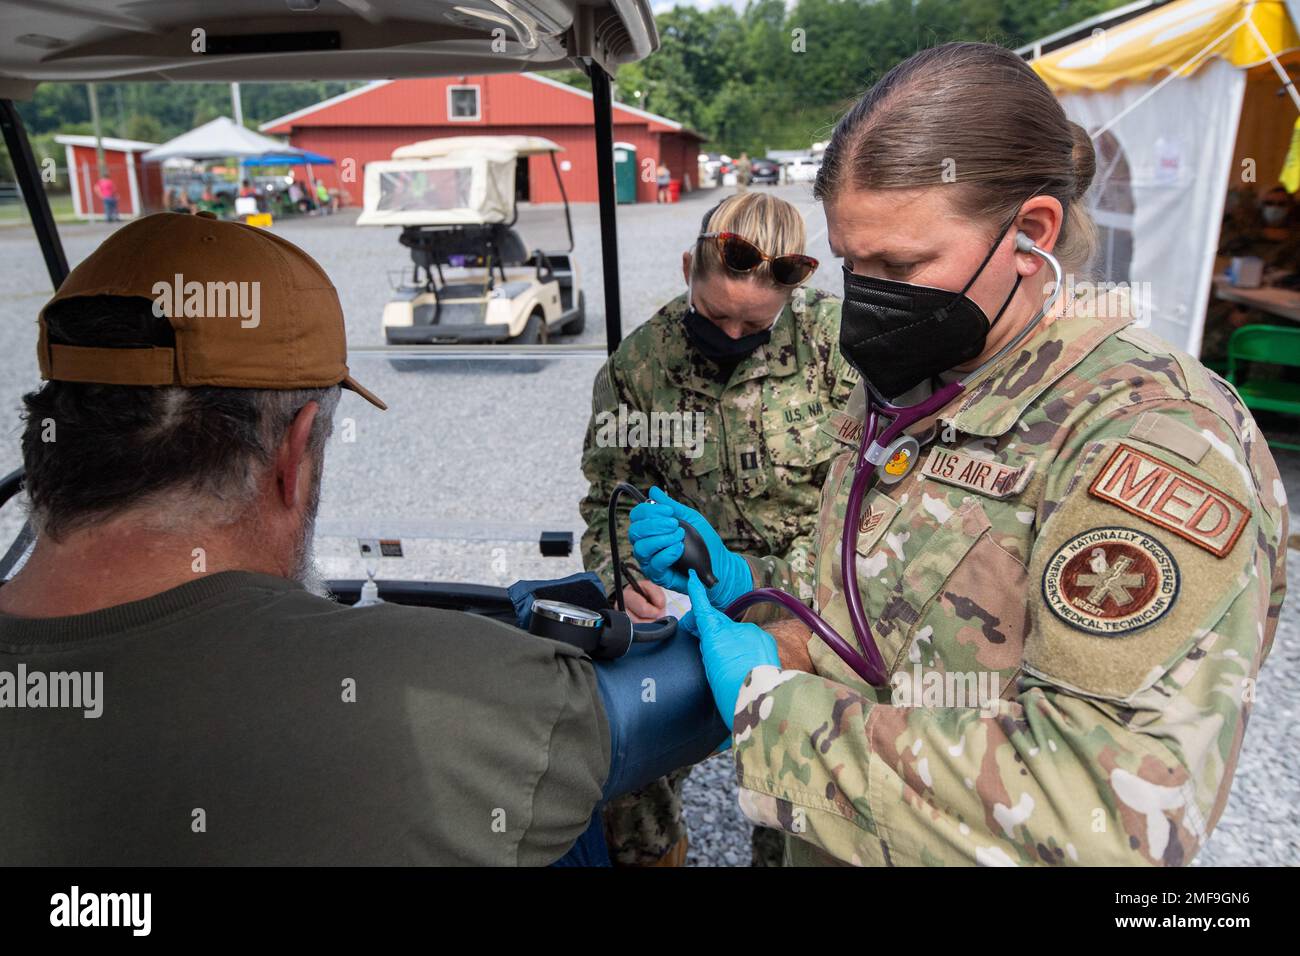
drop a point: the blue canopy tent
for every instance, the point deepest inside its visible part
(298, 157)
(287, 159)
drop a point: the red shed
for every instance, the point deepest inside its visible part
(368, 123)
(139, 186)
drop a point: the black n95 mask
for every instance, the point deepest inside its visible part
(898, 335)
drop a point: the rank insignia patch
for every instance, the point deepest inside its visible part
(1111, 581)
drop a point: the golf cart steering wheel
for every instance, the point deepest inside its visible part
(10, 485)
(545, 271)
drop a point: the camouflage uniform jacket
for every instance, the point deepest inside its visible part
(755, 455)
(1099, 525)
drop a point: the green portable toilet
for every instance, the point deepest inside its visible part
(624, 172)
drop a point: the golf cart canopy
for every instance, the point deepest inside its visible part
(282, 40)
(452, 181)
(466, 188)
(446, 145)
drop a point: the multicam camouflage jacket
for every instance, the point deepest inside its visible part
(1074, 588)
(749, 454)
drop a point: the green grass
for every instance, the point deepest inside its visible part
(15, 213)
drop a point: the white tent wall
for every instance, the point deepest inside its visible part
(1179, 146)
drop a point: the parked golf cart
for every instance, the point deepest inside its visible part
(475, 278)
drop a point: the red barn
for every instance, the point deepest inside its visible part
(368, 123)
(139, 186)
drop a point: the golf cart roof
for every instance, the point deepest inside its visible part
(282, 40)
(447, 145)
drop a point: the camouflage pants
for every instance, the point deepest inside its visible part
(641, 827)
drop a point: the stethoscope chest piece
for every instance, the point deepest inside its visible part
(896, 460)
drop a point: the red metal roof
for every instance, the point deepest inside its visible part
(505, 99)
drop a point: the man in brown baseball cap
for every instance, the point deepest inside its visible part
(213, 281)
(227, 714)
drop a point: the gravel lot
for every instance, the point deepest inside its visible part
(474, 459)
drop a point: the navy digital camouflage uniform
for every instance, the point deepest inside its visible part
(753, 466)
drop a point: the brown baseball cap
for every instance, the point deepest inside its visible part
(249, 309)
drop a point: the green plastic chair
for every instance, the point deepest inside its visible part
(1266, 345)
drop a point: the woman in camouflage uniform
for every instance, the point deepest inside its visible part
(1073, 588)
(745, 395)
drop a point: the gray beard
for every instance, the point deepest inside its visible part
(305, 570)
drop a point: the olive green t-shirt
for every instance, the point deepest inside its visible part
(243, 720)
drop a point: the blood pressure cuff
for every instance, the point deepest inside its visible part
(660, 710)
(657, 700)
(583, 589)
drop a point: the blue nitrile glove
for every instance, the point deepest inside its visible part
(657, 543)
(730, 650)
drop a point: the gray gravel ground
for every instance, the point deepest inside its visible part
(474, 459)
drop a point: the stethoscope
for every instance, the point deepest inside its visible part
(881, 442)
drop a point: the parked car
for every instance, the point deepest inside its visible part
(765, 172)
(802, 169)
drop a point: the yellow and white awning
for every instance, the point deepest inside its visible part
(1176, 38)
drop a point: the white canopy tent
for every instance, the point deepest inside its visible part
(1181, 103)
(221, 138)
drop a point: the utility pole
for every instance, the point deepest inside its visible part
(237, 104)
(99, 138)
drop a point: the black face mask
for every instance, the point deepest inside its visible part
(716, 345)
(898, 334)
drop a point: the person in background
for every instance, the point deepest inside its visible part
(744, 172)
(747, 358)
(178, 201)
(664, 177)
(107, 191)
(327, 202)
(298, 196)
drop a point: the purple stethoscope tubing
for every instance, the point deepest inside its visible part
(870, 665)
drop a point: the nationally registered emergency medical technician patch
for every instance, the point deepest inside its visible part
(1111, 581)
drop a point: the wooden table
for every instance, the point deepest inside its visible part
(1270, 299)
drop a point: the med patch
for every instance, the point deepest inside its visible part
(1156, 491)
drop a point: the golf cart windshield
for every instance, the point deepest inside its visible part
(463, 188)
(478, 455)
